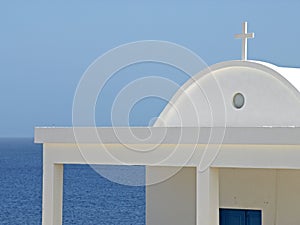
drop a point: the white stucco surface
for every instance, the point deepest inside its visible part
(256, 165)
(271, 100)
(271, 97)
(275, 192)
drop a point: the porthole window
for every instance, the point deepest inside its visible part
(238, 100)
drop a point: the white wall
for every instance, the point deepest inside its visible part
(288, 197)
(172, 201)
(276, 192)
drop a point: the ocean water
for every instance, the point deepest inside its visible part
(88, 197)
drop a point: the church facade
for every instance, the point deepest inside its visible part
(261, 179)
(224, 151)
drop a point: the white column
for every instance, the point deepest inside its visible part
(52, 191)
(208, 197)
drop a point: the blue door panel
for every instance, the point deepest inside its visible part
(240, 217)
(253, 217)
(232, 217)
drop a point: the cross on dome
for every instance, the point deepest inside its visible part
(244, 36)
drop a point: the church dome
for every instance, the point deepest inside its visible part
(236, 93)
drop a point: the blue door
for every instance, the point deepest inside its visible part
(240, 217)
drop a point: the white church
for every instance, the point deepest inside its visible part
(230, 153)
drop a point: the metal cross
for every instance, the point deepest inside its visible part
(244, 36)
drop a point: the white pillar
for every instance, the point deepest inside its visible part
(208, 197)
(52, 192)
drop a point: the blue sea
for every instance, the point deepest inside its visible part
(88, 197)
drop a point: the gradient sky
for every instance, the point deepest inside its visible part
(45, 47)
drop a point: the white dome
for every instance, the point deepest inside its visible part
(271, 97)
(291, 74)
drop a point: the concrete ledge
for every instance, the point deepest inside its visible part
(169, 135)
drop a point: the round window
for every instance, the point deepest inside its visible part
(238, 100)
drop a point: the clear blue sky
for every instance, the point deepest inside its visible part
(45, 46)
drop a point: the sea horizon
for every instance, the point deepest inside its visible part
(89, 198)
